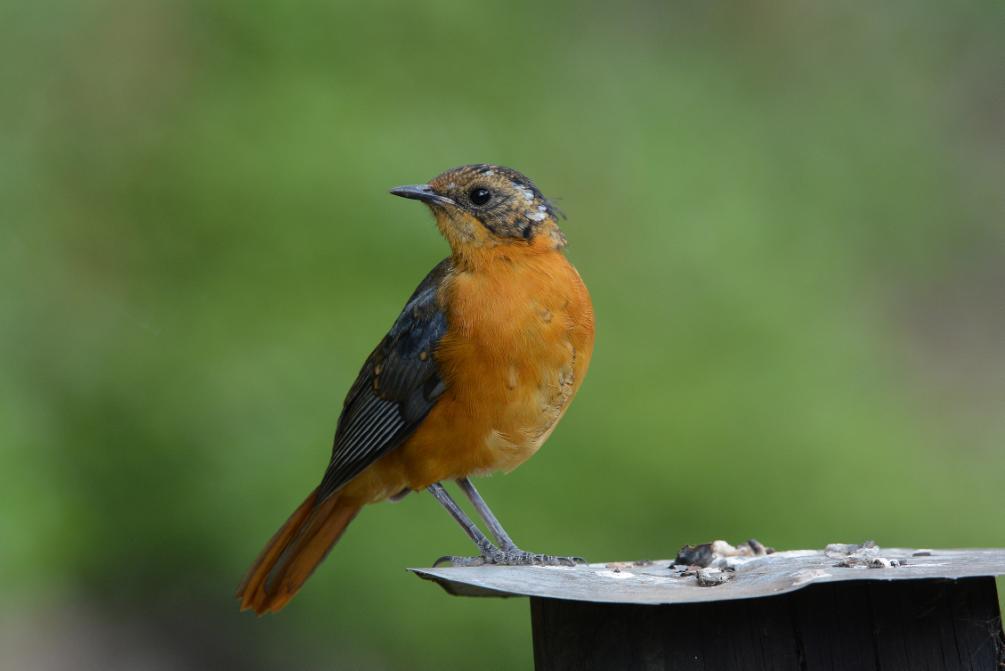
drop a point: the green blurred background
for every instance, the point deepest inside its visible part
(790, 216)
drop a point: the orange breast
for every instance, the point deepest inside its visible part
(518, 344)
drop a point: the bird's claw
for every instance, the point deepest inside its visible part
(455, 561)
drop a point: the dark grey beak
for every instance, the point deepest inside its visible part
(422, 192)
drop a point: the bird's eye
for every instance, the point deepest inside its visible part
(480, 195)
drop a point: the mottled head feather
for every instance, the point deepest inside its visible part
(516, 209)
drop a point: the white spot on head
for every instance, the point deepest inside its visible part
(489, 173)
(536, 216)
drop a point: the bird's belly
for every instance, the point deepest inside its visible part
(495, 414)
(529, 409)
(510, 381)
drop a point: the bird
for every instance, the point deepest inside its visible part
(471, 379)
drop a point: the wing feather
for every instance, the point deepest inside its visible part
(397, 387)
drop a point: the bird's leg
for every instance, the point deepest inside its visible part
(508, 554)
(468, 487)
(470, 528)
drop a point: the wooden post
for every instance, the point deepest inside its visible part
(798, 610)
(861, 626)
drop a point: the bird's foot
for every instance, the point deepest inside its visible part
(509, 557)
(455, 561)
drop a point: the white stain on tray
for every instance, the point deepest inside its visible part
(809, 575)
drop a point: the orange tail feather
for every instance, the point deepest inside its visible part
(293, 553)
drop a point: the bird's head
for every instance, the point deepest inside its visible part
(484, 207)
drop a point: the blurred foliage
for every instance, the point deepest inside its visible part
(790, 216)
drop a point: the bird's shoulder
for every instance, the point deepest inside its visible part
(404, 357)
(396, 388)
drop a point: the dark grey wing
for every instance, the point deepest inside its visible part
(398, 385)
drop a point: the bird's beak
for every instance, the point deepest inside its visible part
(422, 192)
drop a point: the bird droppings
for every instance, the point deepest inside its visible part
(841, 549)
(717, 562)
(808, 575)
(883, 562)
(617, 574)
(719, 553)
(711, 577)
(864, 555)
(705, 576)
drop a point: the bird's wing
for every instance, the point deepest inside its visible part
(398, 385)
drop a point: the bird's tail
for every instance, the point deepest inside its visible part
(294, 552)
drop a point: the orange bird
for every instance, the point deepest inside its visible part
(471, 379)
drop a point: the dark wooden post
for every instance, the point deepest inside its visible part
(866, 625)
(801, 611)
